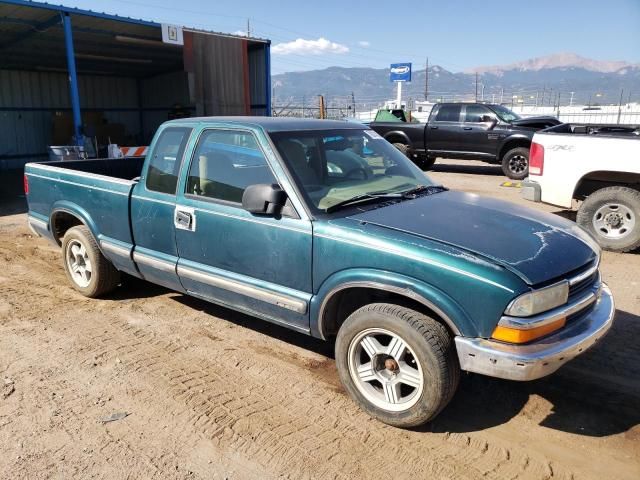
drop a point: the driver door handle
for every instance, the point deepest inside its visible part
(433, 127)
(467, 128)
(185, 218)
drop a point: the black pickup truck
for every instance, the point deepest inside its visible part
(473, 131)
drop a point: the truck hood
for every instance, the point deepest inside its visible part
(536, 246)
(537, 122)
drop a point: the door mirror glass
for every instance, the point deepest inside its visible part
(264, 199)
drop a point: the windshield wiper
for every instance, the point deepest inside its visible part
(362, 198)
(423, 190)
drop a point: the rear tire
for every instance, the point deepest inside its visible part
(612, 216)
(399, 365)
(425, 163)
(515, 163)
(87, 269)
(403, 148)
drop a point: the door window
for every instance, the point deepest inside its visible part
(474, 113)
(449, 113)
(164, 165)
(226, 162)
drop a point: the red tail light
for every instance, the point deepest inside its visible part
(26, 185)
(536, 159)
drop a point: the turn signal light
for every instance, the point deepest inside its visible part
(516, 335)
(26, 184)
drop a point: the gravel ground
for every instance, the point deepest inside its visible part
(210, 393)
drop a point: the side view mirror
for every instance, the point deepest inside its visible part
(264, 199)
(489, 119)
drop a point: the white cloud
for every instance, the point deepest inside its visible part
(309, 47)
(364, 43)
(240, 33)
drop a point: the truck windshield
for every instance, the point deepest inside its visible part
(335, 166)
(505, 114)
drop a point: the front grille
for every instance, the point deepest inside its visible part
(583, 285)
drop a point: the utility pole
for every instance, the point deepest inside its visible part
(304, 101)
(571, 99)
(620, 105)
(501, 95)
(476, 86)
(248, 28)
(353, 105)
(426, 82)
(323, 113)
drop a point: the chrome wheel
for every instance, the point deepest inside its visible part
(385, 370)
(614, 220)
(79, 263)
(518, 164)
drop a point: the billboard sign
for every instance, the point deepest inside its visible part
(400, 72)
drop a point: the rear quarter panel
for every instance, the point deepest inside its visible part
(101, 202)
(569, 157)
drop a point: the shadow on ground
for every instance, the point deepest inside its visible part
(576, 399)
(573, 400)
(442, 166)
(12, 198)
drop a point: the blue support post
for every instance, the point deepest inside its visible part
(73, 80)
(267, 74)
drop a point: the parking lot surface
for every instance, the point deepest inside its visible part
(210, 393)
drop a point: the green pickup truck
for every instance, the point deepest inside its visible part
(325, 228)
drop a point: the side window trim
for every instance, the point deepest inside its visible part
(180, 157)
(486, 111)
(441, 107)
(187, 164)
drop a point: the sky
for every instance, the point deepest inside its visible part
(455, 34)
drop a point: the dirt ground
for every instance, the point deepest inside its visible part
(210, 393)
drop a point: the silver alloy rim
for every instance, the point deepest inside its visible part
(79, 263)
(614, 220)
(385, 370)
(518, 163)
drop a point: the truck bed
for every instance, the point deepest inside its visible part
(621, 131)
(98, 191)
(122, 168)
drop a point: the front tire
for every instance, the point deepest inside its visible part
(87, 269)
(612, 216)
(399, 365)
(515, 163)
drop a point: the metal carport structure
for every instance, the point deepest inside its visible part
(66, 72)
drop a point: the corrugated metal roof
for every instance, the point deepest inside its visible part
(114, 17)
(32, 38)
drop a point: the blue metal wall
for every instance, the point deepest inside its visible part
(29, 100)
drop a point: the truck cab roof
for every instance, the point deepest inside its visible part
(272, 124)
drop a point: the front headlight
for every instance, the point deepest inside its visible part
(539, 301)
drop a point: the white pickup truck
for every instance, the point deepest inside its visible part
(597, 166)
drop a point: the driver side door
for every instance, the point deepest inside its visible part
(254, 263)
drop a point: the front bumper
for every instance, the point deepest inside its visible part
(531, 191)
(539, 358)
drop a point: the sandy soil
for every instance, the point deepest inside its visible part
(210, 393)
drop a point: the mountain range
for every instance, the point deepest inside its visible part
(592, 81)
